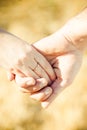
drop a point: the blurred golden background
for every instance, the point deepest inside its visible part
(32, 20)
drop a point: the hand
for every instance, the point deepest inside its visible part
(65, 59)
(20, 58)
(64, 51)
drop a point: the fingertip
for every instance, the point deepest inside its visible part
(25, 82)
(31, 81)
(33, 85)
(42, 81)
(42, 95)
(45, 104)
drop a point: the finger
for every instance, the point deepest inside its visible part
(25, 71)
(27, 85)
(57, 88)
(31, 67)
(24, 82)
(40, 83)
(45, 65)
(10, 76)
(31, 84)
(42, 94)
(23, 90)
(38, 72)
(41, 73)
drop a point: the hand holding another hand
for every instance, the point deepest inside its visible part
(65, 60)
(22, 60)
(64, 51)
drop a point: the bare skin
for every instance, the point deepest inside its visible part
(64, 51)
(20, 58)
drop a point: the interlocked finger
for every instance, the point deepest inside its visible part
(40, 83)
(28, 84)
(45, 65)
(28, 72)
(41, 73)
(24, 82)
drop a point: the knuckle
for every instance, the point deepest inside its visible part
(20, 60)
(23, 57)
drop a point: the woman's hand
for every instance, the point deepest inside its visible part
(65, 59)
(64, 50)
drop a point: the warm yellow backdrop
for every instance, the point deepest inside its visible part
(32, 20)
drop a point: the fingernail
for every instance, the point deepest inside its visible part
(41, 83)
(30, 82)
(48, 91)
(44, 81)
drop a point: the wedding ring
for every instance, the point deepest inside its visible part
(35, 67)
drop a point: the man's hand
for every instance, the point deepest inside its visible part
(20, 58)
(65, 59)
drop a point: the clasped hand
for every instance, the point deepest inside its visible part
(47, 67)
(53, 75)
